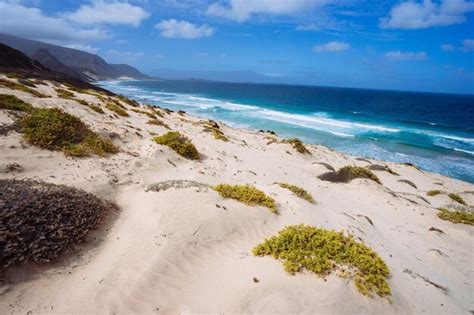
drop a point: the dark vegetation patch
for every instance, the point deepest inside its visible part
(20, 87)
(408, 182)
(54, 129)
(298, 191)
(348, 173)
(246, 194)
(298, 145)
(41, 220)
(96, 108)
(326, 165)
(213, 127)
(62, 93)
(456, 216)
(179, 143)
(322, 251)
(12, 102)
(434, 192)
(457, 198)
(382, 168)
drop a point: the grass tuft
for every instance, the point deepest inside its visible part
(12, 102)
(96, 108)
(457, 198)
(157, 122)
(20, 87)
(348, 173)
(456, 216)
(298, 145)
(54, 129)
(433, 192)
(62, 93)
(247, 194)
(117, 109)
(179, 143)
(298, 191)
(323, 251)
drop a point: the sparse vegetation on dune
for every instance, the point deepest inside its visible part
(298, 191)
(434, 192)
(157, 122)
(96, 108)
(128, 101)
(117, 109)
(457, 198)
(247, 194)
(323, 251)
(214, 128)
(20, 87)
(54, 129)
(41, 220)
(65, 94)
(12, 102)
(298, 145)
(463, 217)
(384, 168)
(138, 111)
(179, 143)
(348, 173)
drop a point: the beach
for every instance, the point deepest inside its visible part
(176, 246)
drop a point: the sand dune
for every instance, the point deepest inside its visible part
(184, 249)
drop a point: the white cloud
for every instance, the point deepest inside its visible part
(19, 20)
(88, 48)
(405, 56)
(111, 13)
(466, 46)
(242, 10)
(412, 15)
(181, 29)
(331, 47)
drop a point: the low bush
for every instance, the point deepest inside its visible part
(298, 191)
(348, 173)
(41, 220)
(179, 143)
(117, 109)
(96, 108)
(54, 129)
(12, 102)
(323, 251)
(246, 194)
(456, 216)
(457, 198)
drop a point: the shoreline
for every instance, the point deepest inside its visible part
(389, 141)
(183, 248)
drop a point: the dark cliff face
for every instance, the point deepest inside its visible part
(87, 64)
(49, 61)
(12, 58)
(14, 61)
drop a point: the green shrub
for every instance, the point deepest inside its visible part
(54, 129)
(96, 108)
(117, 109)
(298, 191)
(157, 122)
(457, 198)
(82, 102)
(179, 143)
(456, 216)
(322, 251)
(62, 93)
(434, 192)
(298, 145)
(348, 173)
(246, 194)
(20, 87)
(12, 102)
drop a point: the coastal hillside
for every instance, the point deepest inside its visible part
(88, 65)
(189, 215)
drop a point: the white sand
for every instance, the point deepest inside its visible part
(180, 251)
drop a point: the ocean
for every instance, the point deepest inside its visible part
(433, 131)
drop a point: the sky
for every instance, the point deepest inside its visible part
(423, 45)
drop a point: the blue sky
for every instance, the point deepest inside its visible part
(405, 45)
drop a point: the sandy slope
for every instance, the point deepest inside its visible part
(186, 250)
